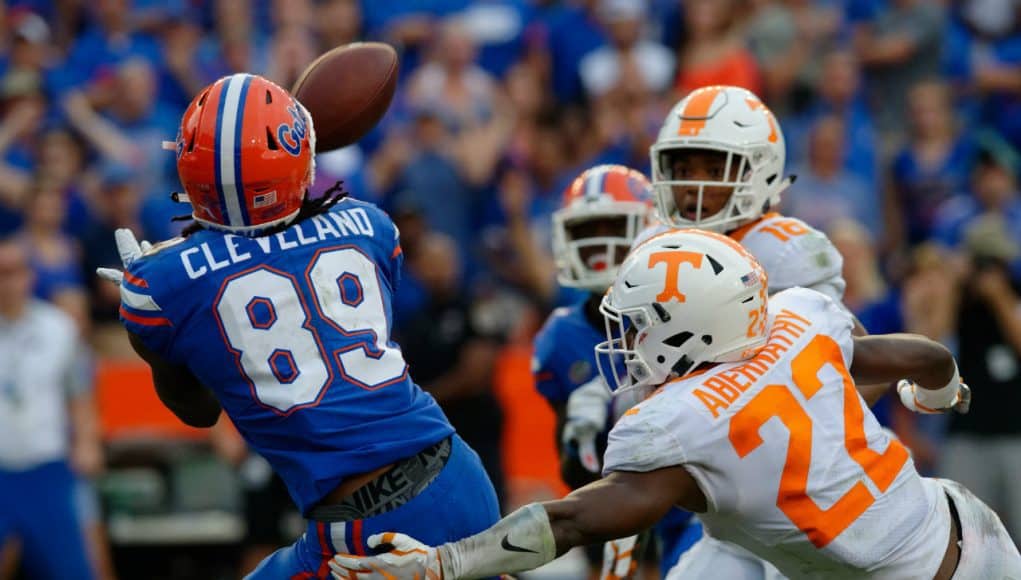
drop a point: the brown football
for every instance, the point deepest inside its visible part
(347, 91)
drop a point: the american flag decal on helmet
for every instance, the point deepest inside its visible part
(264, 199)
(749, 279)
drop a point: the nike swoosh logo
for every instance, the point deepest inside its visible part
(506, 545)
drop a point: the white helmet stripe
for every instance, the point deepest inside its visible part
(594, 186)
(227, 140)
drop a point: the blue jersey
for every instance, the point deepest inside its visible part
(564, 357)
(291, 331)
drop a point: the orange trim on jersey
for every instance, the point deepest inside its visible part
(145, 320)
(739, 234)
(132, 279)
(397, 252)
(696, 111)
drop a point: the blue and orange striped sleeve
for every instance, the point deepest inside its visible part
(140, 312)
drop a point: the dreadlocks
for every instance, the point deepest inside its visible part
(309, 207)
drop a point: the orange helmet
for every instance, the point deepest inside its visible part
(245, 154)
(620, 198)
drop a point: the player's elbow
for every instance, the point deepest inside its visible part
(196, 417)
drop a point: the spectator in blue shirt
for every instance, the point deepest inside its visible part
(983, 55)
(934, 165)
(131, 133)
(498, 27)
(569, 32)
(337, 22)
(19, 124)
(54, 257)
(839, 93)
(825, 190)
(450, 84)
(994, 191)
(109, 41)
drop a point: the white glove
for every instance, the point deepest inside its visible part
(619, 558)
(956, 396)
(129, 249)
(408, 558)
(587, 409)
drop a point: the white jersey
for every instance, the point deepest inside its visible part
(794, 466)
(38, 358)
(792, 252)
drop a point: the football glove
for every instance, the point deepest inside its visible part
(587, 410)
(130, 250)
(407, 558)
(924, 401)
(619, 559)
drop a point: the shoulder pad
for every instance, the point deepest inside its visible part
(795, 254)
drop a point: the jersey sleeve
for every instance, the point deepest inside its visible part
(141, 311)
(641, 441)
(388, 237)
(808, 260)
(396, 257)
(547, 377)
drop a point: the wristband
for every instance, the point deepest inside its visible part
(521, 541)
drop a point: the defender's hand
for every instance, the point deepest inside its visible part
(407, 558)
(619, 559)
(130, 250)
(908, 391)
(587, 410)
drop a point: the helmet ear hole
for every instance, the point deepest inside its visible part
(707, 339)
(191, 143)
(683, 366)
(269, 98)
(270, 139)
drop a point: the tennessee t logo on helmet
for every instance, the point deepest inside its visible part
(673, 260)
(245, 155)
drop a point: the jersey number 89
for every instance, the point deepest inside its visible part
(268, 326)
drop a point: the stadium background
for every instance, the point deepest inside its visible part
(902, 119)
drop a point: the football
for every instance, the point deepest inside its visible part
(347, 90)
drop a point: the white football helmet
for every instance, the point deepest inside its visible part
(682, 298)
(611, 193)
(734, 121)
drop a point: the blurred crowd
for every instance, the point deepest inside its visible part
(902, 121)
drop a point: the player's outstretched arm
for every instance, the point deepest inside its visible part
(621, 504)
(178, 388)
(927, 367)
